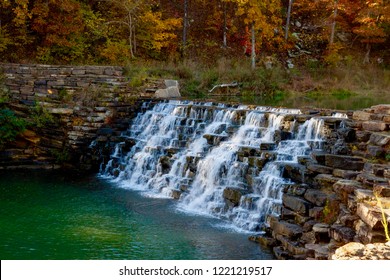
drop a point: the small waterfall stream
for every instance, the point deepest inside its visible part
(217, 160)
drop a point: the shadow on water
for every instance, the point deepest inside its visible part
(57, 216)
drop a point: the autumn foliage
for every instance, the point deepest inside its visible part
(115, 31)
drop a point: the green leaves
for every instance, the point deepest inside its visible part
(10, 126)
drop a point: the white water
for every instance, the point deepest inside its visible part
(200, 151)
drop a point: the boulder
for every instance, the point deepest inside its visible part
(358, 251)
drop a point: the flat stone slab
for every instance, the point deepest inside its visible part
(344, 162)
(297, 204)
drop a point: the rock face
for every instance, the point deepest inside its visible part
(345, 205)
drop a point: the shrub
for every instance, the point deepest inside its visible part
(10, 126)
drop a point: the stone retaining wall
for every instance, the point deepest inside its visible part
(66, 106)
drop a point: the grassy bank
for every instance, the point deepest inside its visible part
(349, 85)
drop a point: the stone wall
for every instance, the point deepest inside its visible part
(66, 106)
(341, 197)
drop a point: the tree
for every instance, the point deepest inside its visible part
(372, 20)
(128, 11)
(59, 26)
(262, 16)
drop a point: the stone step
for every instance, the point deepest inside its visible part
(344, 162)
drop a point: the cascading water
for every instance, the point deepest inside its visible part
(222, 161)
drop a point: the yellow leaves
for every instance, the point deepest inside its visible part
(158, 33)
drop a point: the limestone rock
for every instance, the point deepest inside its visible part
(296, 204)
(344, 162)
(381, 109)
(341, 233)
(361, 116)
(233, 195)
(283, 228)
(358, 251)
(374, 126)
(379, 139)
(370, 215)
(316, 197)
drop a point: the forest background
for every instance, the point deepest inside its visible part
(270, 47)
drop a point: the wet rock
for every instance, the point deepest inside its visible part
(175, 194)
(263, 240)
(233, 195)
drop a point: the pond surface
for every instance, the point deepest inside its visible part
(58, 216)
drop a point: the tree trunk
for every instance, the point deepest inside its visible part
(253, 52)
(224, 25)
(185, 24)
(290, 2)
(333, 29)
(131, 35)
(367, 55)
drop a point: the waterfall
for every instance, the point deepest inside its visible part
(224, 161)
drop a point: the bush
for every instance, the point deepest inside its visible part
(10, 126)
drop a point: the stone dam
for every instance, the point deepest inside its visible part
(302, 181)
